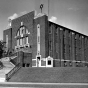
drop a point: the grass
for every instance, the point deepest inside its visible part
(52, 75)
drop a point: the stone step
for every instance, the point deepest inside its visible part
(7, 64)
(5, 59)
(2, 79)
(7, 67)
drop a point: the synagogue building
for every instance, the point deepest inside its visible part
(48, 44)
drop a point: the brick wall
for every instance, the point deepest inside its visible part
(28, 59)
(43, 36)
(9, 33)
(27, 20)
(68, 46)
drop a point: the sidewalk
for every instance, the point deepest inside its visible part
(7, 66)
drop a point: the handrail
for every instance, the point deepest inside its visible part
(14, 70)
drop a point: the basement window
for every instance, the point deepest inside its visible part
(70, 63)
(65, 64)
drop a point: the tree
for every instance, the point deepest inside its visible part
(1, 48)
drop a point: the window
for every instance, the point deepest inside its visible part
(18, 42)
(50, 45)
(21, 41)
(26, 40)
(26, 31)
(38, 39)
(7, 41)
(23, 64)
(50, 30)
(21, 38)
(38, 33)
(65, 63)
(23, 30)
(20, 31)
(56, 31)
(27, 65)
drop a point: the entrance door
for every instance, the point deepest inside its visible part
(28, 59)
(38, 58)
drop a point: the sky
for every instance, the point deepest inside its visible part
(72, 14)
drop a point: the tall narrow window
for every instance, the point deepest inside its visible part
(17, 42)
(38, 33)
(26, 31)
(50, 30)
(21, 41)
(26, 40)
(20, 31)
(7, 41)
(23, 30)
(38, 39)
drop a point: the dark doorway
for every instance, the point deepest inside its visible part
(49, 62)
(27, 59)
(38, 58)
(27, 65)
(23, 64)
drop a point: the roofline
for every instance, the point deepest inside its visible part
(68, 29)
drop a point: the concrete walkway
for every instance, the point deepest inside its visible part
(43, 85)
(7, 67)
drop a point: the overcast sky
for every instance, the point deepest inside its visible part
(69, 13)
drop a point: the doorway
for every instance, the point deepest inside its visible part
(38, 59)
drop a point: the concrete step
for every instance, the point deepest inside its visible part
(5, 59)
(3, 72)
(7, 67)
(2, 79)
(6, 62)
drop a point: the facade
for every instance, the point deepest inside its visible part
(48, 44)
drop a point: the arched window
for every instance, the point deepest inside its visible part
(22, 37)
(22, 30)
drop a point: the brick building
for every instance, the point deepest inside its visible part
(41, 39)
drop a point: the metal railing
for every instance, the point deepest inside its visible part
(13, 71)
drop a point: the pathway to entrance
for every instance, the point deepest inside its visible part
(7, 67)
